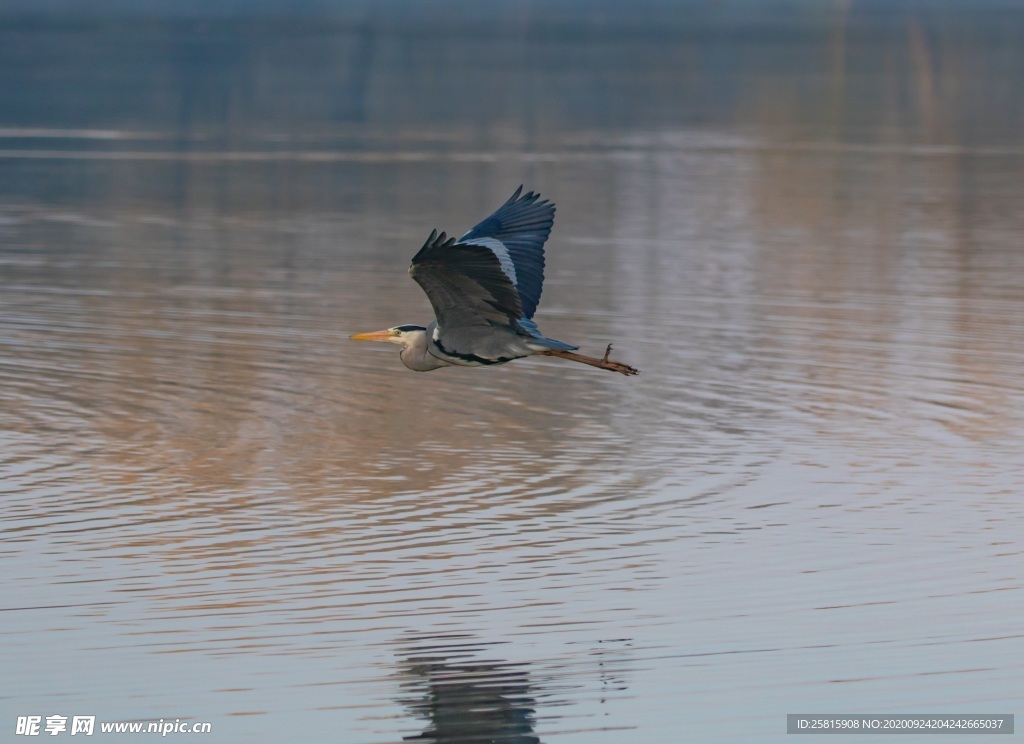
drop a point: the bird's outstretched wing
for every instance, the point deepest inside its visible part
(467, 287)
(489, 279)
(516, 233)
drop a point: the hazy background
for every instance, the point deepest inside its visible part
(801, 220)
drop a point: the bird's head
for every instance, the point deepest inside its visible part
(404, 335)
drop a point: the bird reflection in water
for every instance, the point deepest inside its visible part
(467, 700)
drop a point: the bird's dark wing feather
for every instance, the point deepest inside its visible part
(521, 225)
(466, 286)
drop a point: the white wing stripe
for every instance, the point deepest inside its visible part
(501, 252)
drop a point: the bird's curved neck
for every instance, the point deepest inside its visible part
(416, 353)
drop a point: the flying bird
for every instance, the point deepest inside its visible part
(484, 288)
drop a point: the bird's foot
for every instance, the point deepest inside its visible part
(619, 367)
(614, 366)
(602, 363)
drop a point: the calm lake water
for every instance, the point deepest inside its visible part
(805, 228)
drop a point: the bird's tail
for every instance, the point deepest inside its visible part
(541, 340)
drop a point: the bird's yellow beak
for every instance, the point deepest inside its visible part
(374, 336)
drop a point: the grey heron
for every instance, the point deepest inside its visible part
(484, 288)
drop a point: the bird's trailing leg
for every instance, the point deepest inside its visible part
(602, 363)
